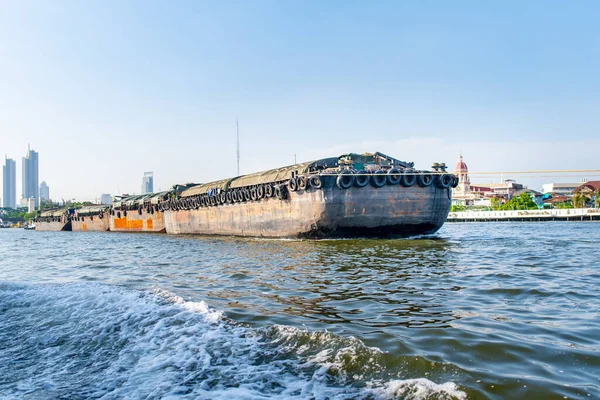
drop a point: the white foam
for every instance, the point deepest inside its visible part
(121, 343)
(418, 389)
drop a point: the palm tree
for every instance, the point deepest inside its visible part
(578, 200)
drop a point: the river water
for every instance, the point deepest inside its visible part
(497, 310)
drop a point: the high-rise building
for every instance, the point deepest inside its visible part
(106, 199)
(148, 182)
(30, 176)
(44, 192)
(9, 175)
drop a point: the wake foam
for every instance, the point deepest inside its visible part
(99, 341)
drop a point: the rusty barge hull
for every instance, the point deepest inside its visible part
(329, 212)
(90, 224)
(134, 221)
(55, 226)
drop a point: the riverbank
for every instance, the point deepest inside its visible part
(572, 214)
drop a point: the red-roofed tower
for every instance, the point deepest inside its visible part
(461, 170)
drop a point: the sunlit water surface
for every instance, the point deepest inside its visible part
(505, 310)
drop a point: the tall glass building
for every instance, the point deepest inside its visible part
(148, 182)
(9, 179)
(30, 181)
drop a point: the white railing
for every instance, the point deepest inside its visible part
(558, 213)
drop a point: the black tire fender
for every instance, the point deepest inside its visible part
(345, 179)
(425, 179)
(444, 181)
(378, 179)
(315, 182)
(393, 176)
(362, 178)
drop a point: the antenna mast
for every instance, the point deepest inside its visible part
(237, 122)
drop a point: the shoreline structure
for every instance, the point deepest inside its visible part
(569, 214)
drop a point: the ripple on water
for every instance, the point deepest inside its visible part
(90, 340)
(502, 310)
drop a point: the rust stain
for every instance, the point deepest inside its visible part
(149, 223)
(120, 223)
(84, 227)
(136, 224)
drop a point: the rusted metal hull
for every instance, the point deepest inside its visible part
(136, 222)
(56, 226)
(392, 210)
(92, 224)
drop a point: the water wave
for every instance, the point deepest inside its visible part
(87, 340)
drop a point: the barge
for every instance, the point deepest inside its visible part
(58, 219)
(138, 213)
(91, 218)
(355, 195)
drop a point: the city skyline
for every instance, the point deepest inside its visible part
(162, 86)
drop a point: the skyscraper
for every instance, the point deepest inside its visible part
(44, 192)
(9, 175)
(106, 199)
(148, 182)
(30, 176)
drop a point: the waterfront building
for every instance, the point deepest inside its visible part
(106, 199)
(465, 193)
(536, 196)
(30, 176)
(468, 194)
(9, 180)
(148, 182)
(562, 189)
(588, 187)
(507, 188)
(44, 192)
(30, 204)
(590, 191)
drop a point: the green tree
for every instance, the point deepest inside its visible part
(47, 205)
(521, 202)
(496, 204)
(457, 208)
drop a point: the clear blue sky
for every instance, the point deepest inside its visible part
(106, 90)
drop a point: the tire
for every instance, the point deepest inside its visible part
(315, 182)
(247, 195)
(253, 194)
(455, 181)
(293, 184)
(260, 192)
(269, 192)
(223, 198)
(378, 179)
(345, 179)
(281, 192)
(444, 181)
(303, 182)
(361, 179)
(228, 197)
(408, 179)
(393, 176)
(424, 180)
